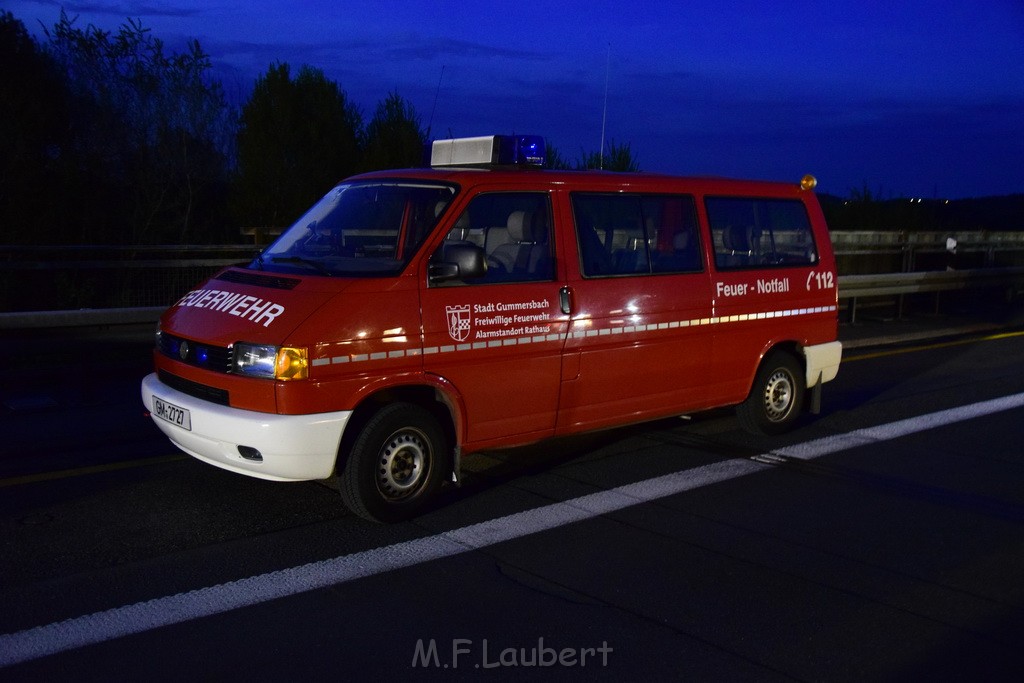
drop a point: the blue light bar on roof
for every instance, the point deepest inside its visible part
(489, 150)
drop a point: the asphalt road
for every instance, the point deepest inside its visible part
(882, 540)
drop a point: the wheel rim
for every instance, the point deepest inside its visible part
(779, 392)
(402, 464)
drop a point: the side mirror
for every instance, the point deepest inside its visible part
(458, 261)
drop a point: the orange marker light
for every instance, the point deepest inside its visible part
(292, 363)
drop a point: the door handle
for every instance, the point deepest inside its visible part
(565, 300)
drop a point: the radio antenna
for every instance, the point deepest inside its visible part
(437, 92)
(604, 114)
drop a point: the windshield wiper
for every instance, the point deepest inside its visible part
(304, 262)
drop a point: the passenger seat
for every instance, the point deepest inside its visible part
(525, 255)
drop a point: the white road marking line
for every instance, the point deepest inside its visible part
(140, 617)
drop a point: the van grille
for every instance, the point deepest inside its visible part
(207, 356)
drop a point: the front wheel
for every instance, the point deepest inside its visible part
(396, 464)
(776, 398)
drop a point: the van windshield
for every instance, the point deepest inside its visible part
(360, 229)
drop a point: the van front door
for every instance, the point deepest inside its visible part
(498, 339)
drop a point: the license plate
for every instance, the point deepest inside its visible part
(168, 412)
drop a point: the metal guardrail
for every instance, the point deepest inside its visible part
(47, 278)
(101, 285)
(851, 289)
(843, 239)
(887, 284)
(864, 251)
(87, 317)
(855, 287)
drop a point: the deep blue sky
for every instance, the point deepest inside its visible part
(908, 98)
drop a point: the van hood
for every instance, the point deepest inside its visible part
(243, 305)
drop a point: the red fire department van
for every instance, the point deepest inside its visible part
(413, 317)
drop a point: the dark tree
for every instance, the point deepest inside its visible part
(554, 159)
(33, 136)
(298, 137)
(618, 158)
(151, 135)
(394, 138)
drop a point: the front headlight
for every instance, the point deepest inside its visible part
(270, 362)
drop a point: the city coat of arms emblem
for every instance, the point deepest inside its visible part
(458, 322)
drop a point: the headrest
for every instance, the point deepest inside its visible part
(736, 238)
(519, 227)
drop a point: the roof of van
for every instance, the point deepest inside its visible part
(589, 179)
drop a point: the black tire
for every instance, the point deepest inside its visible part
(396, 464)
(776, 398)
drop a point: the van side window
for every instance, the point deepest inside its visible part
(514, 230)
(633, 234)
(750, 232)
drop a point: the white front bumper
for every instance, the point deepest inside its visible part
(293, 447)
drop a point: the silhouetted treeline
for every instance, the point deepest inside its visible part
(1003, 213)
(111, 138)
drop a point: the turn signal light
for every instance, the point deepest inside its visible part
(292, 363)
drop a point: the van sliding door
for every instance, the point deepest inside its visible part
(638, 338)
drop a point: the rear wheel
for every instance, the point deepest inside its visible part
(396, 464)
(775, 400)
